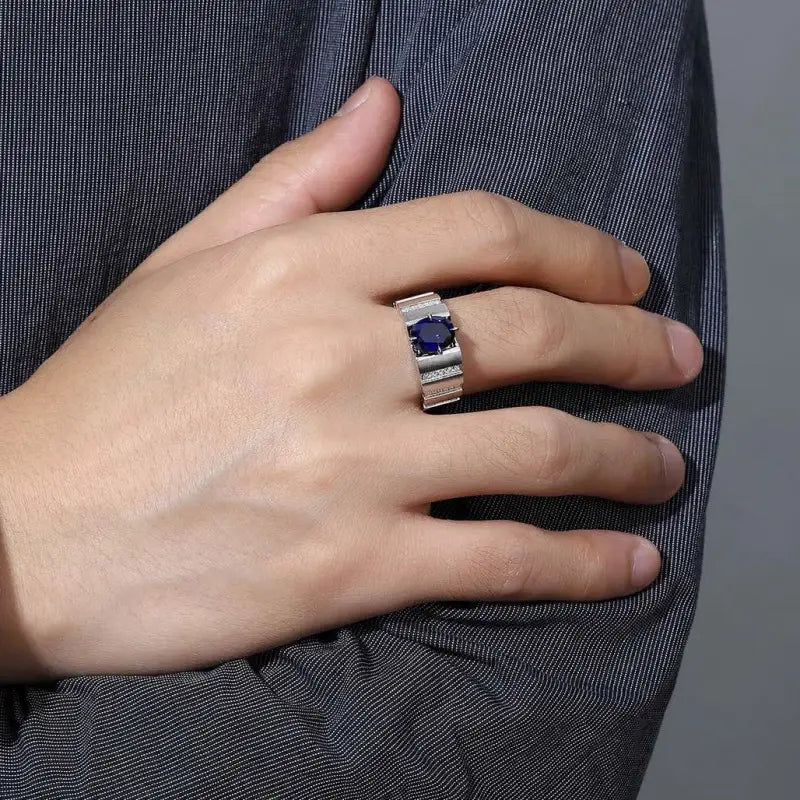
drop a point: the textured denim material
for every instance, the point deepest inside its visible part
(122, 120)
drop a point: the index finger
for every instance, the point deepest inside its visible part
(476, 236)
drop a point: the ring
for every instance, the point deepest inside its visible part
(432, 335)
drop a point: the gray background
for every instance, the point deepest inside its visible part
(732, 730)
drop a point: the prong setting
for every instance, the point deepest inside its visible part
(431, 333)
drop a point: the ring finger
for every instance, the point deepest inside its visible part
(515, 334)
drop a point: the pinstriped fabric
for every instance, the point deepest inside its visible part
(122, 120)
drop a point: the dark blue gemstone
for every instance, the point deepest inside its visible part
(432, 334)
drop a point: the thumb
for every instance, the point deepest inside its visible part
(328, 169)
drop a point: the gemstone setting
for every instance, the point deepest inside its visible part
(432, 334)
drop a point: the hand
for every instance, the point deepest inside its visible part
(229, 453)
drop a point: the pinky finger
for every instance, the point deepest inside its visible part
(502, 560)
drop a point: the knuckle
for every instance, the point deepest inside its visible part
(544, 448)
(320, 363)
(279, 174)
(555, 447)
(642, 356)
(316, 370)
(323, 363)
(595, 254)
(629, 367)
(654, 467)
(549, 331)
(497, 220)
(508, 318)
(509, 448)
(596, 248)
(523, 316)
(280, 260)
(589, 568)
(505, 570)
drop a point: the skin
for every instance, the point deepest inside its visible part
(230, 454)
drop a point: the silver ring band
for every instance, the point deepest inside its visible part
(433, 342)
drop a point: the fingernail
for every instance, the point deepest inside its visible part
(359, 97)
(645, 565)
(671, 459)
(686, 350)
(634, 269)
